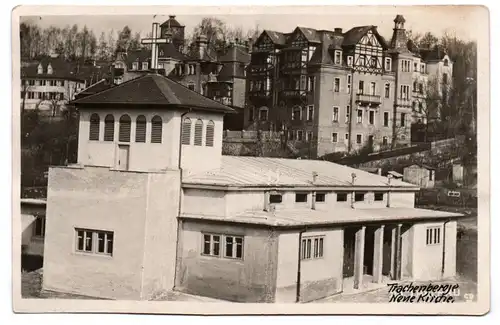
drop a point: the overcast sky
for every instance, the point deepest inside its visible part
(461, 21)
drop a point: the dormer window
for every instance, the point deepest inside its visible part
(40, 69)
(445, 62)
(135, 65)
(338, 57)
(49, 69)
(144, 65)
(349, 60)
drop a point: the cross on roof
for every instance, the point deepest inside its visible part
(154, 41)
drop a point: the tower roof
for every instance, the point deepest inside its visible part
(172, 22)
(399, 19)
(152, 90)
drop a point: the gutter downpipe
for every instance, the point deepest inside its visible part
(179, 211)
(444, 246)
(297, 297)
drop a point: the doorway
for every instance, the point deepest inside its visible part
(123, 157)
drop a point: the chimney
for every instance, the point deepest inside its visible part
(201, 44)
(338, 30)
(379, 171)
(314, 177)
(171, 17)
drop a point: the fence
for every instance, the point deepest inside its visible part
(447, 197)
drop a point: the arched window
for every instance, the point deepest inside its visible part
(156, 126)
(94, 127)
(124, 132)
(140, 129)
(186, 131)
(445, 62)
(109, 128)
(198, 132)
(209, 141)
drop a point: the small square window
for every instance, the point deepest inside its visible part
(379, 196)
(342, 197)
(275, 198)
(320, 197)
(359, 196)
(301, 197)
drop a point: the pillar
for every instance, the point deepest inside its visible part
(378, 254)
(359, 256)
(397, 253)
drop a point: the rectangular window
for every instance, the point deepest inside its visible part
(379, 196)
(388, 64)
(311, 84)
(320, 197)
(334, 137)
(94, 241)
(275, 198)
(144, 65)
(433, 236)
(371, 117)
(349, 61)
(299, 135)
(387, 90)
(338, 57)
(135, 65)
(342, 197)
(373, 62)
(359, 196)
(303, 82)
(386, 118)
(373, 88)
(360, 116)
(347, 113)
(309, 136)
(403, 119)
(312, 247)
(263, 114)
(301, 197)
(296, 115)
(336, 85)
(415, 66)
(39, 229)
(310, 112)
(359, 138)
(361, 86)
(349, 82)
(347, 137)
(233, 247)
(335, 117)
(361, 60)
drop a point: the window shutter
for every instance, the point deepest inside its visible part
(186, 131)
(209, 142)
(94, 127)
(109, 128)
(156, 129)
(124, 134)
(198, 133)
(140, 129)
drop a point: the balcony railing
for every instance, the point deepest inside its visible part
(293, 93)
(260, 93)
(404, 102)
(368, 99)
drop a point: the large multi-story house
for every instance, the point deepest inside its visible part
(219, 75)
(49, 84)
(339, 91)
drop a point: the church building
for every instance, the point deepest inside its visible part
(152, 206)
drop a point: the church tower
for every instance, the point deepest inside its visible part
(112, 218)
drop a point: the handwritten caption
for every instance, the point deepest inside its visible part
(423, 293)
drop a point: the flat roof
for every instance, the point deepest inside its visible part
(309, 217)
(239, 171)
